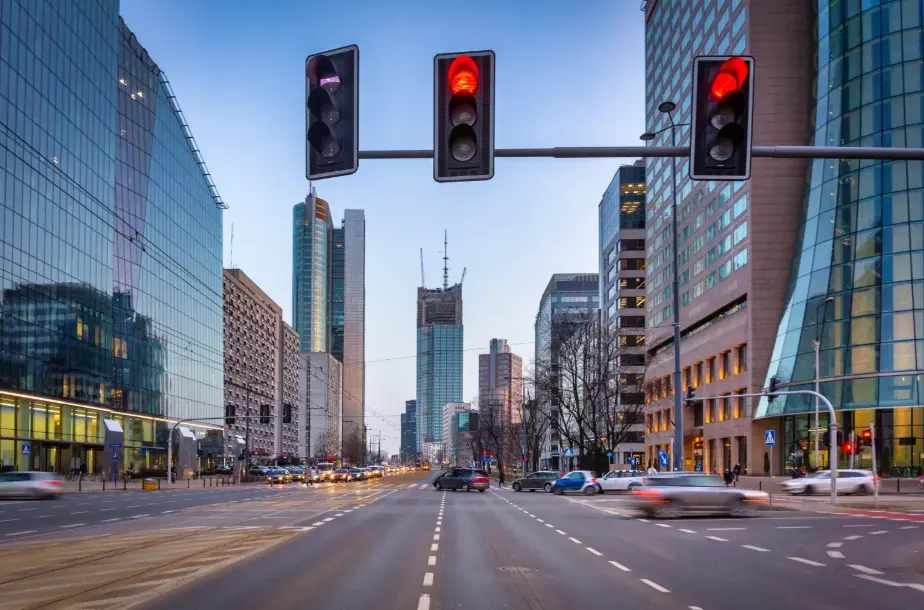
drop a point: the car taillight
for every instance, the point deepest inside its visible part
(646, 493)
(51, 482)
(480, 480)
(643, 480)
(593, 480)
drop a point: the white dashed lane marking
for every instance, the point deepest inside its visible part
(755, 548)
(716, 538)
(865, 570)
(619, 566)
(808, 562)
(428, 579)
(654, 585)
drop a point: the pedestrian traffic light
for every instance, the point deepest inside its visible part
(847, 447)
(773, 388)
(723, 102)
(463, 115)
(332, 113)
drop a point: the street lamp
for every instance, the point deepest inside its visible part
(816, 345)
(668, 109)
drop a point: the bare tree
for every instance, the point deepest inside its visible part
(353, 448)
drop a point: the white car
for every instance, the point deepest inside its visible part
(29, 485)
(848, 482)
(621, 480)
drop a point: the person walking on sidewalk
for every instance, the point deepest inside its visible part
(736, 473)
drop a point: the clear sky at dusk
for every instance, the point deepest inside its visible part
(568, 74)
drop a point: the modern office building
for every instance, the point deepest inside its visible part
(261, 371)
(500, 385)
(409, 431)
(354, 324)
(735, 239)
(622, 296)
(450, 411)
(466, 441)
(439, 358)
(856, 280)
(311, 240)
(568, 300)
(320, 378)
(110, 248)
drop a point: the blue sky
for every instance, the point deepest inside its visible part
(565, 77)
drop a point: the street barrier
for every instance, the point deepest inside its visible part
(150, 485)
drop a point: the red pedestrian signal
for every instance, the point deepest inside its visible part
(848, 448)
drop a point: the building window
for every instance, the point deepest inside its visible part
(724, 364)
(741, 358)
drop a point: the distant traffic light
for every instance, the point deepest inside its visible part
(332, 113)
(773, 388)
(848, 447)
(723, 102)
(866, 438)
(463, 115)
(691, 396)
(826, 437)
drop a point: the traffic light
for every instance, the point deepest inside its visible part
(773, 388)
(332, 113)
(826, 437)
(866, 438)
(463, 115)
(691, 396)
(723, 103)
(847, 447)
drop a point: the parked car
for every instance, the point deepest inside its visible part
(849, 481)
(541, 479)
(621, 480)
(581, 481)
(463, 479)
(39, 485)
(667, 497)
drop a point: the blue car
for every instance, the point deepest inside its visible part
(577, 481)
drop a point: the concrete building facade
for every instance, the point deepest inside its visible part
(320, 376)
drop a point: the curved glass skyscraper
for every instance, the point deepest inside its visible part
(857, 283)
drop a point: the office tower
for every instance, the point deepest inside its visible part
(409, 430)
(450, 411)
(500, 384)
(735, 238)
(354, 324)
(310, 272)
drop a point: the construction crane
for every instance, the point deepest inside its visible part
(464, 269)
(423, 281)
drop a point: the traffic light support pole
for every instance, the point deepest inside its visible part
(608, 152)
(832, 456)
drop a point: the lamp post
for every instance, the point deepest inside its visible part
(816, 345)
(668, 109)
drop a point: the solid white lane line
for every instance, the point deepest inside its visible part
(679, 529)
(793, 527)
(835, 545)
(852, 537)
(654, 585)
(594, 551)
(835, 554)
(807, 561)
(434, 547)
(891, 583)
(424, 603)
(755, 548)
(619, 566)
(561, 532)
(431, 561)
(724, 529)
(72, 525)
(575, 540)
(864, 569)
(716, 538)
(663, 525)
(428, 579)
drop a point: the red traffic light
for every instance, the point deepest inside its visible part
(848, 447)
(867, 434)
(731, 76)
(463, 76)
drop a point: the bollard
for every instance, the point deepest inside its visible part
(187, 482)
(760, 485)
(203, 482)
(80, 482)
(158, 484)
(104, 484)
(124, 483)
(898, 485)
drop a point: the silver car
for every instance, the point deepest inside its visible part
(29, 485)
(667, 497)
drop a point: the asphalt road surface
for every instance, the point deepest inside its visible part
(398, 543)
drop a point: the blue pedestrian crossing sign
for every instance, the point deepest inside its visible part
(770, 438)
(569, 452)
(662, 457)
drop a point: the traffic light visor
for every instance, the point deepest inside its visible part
(463, 76)
(730, 78)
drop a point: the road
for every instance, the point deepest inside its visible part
(398, 543)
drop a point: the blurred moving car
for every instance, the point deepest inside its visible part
(541, 479)
(579, 481)
(40, 485)
(668, 497)
(359, 474)
(326, 470)
(297, 472)
(621, 480)
(463, 479)
(849, 481)
(341, 475)
(278, 475)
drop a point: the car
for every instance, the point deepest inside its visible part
(666, 497)
(541, 479)
(297, 472)
(278, 475)
(359, 474)
(341, 475)
(582, 481)
(621, 480)
(849, 481)
(42, 485)
(463, 479)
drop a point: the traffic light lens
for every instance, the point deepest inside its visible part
(723, 117)
(331, 83)
(330, 115)
(463, 112)
(463, 145)
(723, 149)
(723, 84)
(329, 147)
(463, 81)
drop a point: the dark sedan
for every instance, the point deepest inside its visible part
(542, 479)
(358, 474)
(462, 478)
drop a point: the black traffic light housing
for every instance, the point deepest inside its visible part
(463, 116)
(773, 388)
(866, 438)
(332, 113)
(826, 438)
(691, 396)
(723, 104)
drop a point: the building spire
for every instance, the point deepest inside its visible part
(445, 260)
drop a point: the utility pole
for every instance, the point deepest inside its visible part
(378, 456)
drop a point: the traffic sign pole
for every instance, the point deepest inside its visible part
(770, 441)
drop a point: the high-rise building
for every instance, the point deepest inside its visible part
(500, 385)
(622, 296)
(261, 371)
(311, 240)
(439, 358)
(354, 325)
(856, 279)
(111, 232)
(466, 441)
(450, 411)
(568, 299)
(735, 239)
(409, 431)
(320, 378)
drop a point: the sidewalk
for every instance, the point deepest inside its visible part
(887, 487)
(135, 485)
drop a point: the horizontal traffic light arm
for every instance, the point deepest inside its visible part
(606, 152)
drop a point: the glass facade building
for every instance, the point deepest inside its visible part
(110, 245)
(857, 282)
(354, 324)
(310, 272)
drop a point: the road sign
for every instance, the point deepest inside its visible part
(484, 458)
(662, 457)
(115, 457)
(569, 452)
(115, 445)
(770, 438)
(609, 454)
(26, 449)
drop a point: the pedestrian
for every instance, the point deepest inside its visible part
(737, 472)
(651, 471)
(728, 477)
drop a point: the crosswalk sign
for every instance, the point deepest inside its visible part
(770, 438)
(569, 452)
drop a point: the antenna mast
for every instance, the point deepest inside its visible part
(445, 260)
(231, 264)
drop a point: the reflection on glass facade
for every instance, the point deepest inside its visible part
(110, 244)
(310, 244)
(354, 324)
(862, 237)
